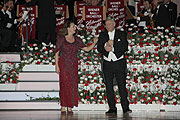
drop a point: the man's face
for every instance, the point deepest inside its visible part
(110, 25)
(1, 7)
(11, 4)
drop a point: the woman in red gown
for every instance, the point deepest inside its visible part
(67, 66)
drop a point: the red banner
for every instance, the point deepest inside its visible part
(80, 3)
(116, 9)
(60, 21)
(30, 21)
(79, 15)
(79, 12)
(94, 17)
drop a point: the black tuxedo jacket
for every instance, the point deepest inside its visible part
(4, 19)
(162, 17)
(172, 8)
(120, 43)
(46, 15)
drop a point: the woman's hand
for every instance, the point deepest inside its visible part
(56, 62)
(57, 69)
(88, 48)
(95, 40)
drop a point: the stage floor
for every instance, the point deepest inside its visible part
(87, 115)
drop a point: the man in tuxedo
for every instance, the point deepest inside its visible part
(161, 16)
(172, 9)
(46, 20)
(5, 33)
(112, 44)
(7, 27)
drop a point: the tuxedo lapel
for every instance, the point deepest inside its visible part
(115, 37)
(106, 36)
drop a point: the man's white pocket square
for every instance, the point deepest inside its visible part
(119, 39)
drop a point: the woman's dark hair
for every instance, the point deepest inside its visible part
(64, 31)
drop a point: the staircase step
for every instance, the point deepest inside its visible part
(29, 105)
(37, 86)
(12, 57)
(6, 87)
(38, 76)
(39, 68)
(26, 95)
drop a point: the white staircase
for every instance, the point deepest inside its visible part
(35, 82)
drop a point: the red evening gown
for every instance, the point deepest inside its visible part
(68, 65)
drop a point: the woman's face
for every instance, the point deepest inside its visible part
(72, 28)
(11, 4)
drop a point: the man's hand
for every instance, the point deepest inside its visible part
(20, 19)
(150, 14)
(108, 45)
(110, 42)
(9, 8)
(20, 14)
(108, 48)
(135, 17)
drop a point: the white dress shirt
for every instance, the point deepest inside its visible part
(9, 25)
(111, 55)
(143, 23)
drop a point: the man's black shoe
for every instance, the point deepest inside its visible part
(110, 111)
(127, 111)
